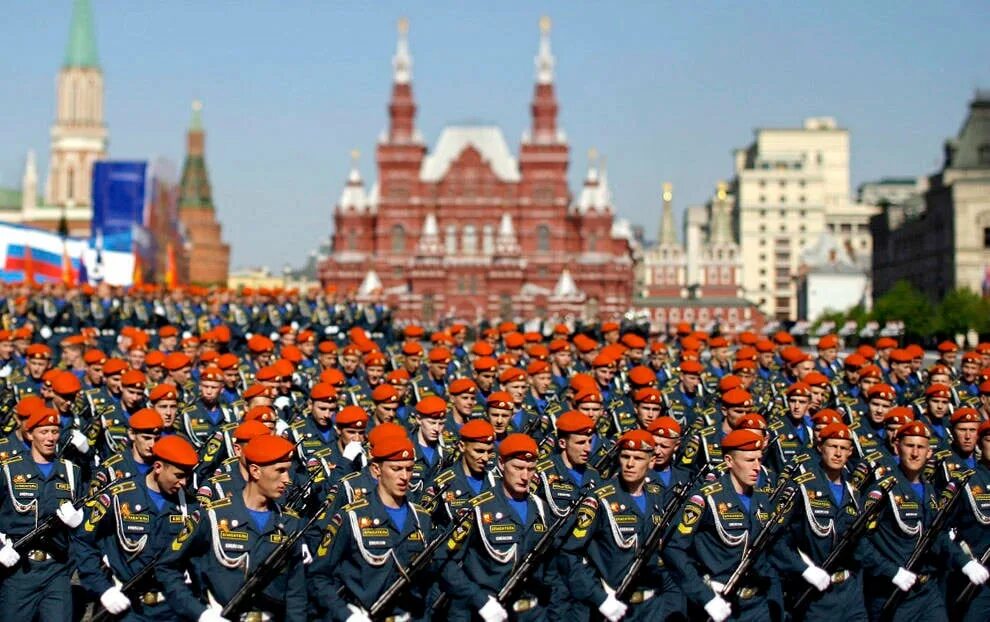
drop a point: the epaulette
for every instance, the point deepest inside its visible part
(545, 465)
(712, 488)
(417, 507)
(219, 503)
(873, 456)
(351, 476)
(605, 491)
(186, 408)
(12, 459)
(708, 430)
(709, 411)
(220, 478)
(290, 512)
(805, 477)
(227, 427)
(653, 489)
(444, 477)
(112, 460)
(125, 486)
(355, 505)
(482, 498)
(776, 425)
(295, 425)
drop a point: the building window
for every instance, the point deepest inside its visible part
(763, 241)
(469, 240)
(543, 194)
(592, 242)
(763, 228)
(763, 271)
(803, 213)
(398, 239)
(763, 199)
(351, 240)
(488, 239)
(986, 237)
(845, 228)
(473, 283)
(763, 213)
(450, 240)
(801, 198)
(543, 238)
(984, 154)
(428, 307)
(398, 273)
(783, 199)
(783, 213)
(802, 228)
(762, 184)
(763, 256)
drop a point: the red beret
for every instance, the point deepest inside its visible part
(985, 387)
(255, 390)
(512, 374)
(227, 361)
(114, 366)
(168, 331)
(133, 378)
(752, 421)
(642, 376)
(608, 327)
(500, 399)
(573, 422)
(43, 416)
(250, 429)
(965, 415)
(835, 430)
(900, 355)
(604, 359)
(327, 347)
(916, 351)
(411, 348)
(266, 374)
(584, 344)
(66, 383)
(537, 367)
(333, 376)
(634, 341)
(393, 448)
(268, 449)
(385, 430)
(431, 406)
(260, 413)
(799, 388)
(638, 440)
(323, 392)
(28, 404)
(793, 355)
(146, 420)
(870, 371)
(826, 416)
(971, 357)
(828, 342)
(559, 345)
(881, 390)
(588, 396)
(398, 377)
(783, 338)
(939, 390)
(174, 361)
(729, 382)
(352, 417)
(657, 347)
(648, 395)
(291, 353)
(482, 348)
(867, 352)
(984, 429)
(691, 367)
(96, 357)
(283, 368)
(163, 392)
(913, 428)
(439, 355)
(816, 379)
(155, 358)
(175, 450)
(412, 331)
(485, 363)
(385, 393)
(477, 431)
(518, 446)
(737, 397)
(743, 440)
(259, 343)
(665, 427)
(898, 415)
(514, 340)
(38, 351)
(211, 374)
(374, 359)
(764, 346)
(886, 342)
(461, 385)
(854, 361)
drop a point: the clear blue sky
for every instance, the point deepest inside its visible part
(664, 90)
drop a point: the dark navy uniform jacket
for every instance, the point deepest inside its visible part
(222, 546)
(29, 497)
(557, 486)
(456, 492)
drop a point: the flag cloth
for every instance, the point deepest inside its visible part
(138, 280)
(68, 274)
(171, 270)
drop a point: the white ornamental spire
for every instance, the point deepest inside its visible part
(370, 284)
(429, 237)
(566, 287)
(402, 61)
(29, 184)
(353, 196)
(506, 243)
(544, 60)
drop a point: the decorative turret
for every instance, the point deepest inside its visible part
(667, 236)
(402, 107)
(721, 216)
(29, 184)
(506, 242)
(544, 107)
(353, 197)
(195, 189)
(429, 237)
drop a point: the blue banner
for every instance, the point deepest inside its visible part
(119, 204)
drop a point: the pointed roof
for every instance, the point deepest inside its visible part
(667, 235)
(566, 287)
(429, 237)
(487, 139)
(506, 242)
(402, 61)
(596, 194)
(81, 51)
(544, 58)
(370, 284)
(194, 189)
(353, 196)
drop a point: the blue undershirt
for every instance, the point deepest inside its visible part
(142, 468)
(398, 515)
(476, 483)
(324, 434)
(640, 500)
(745, 500)
(260, 518)
(430, 453)
(665, 476)
(156, 498)
(919, 490)
(838, 490)
(46, 468)
(521, 508)
(802, 433)
(577, 476)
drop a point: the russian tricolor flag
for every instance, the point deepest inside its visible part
(41, 256)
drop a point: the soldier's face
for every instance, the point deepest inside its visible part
(517, 389)
(633, 465)
(386, 411)
(747, 376)
(593, 409)
(464, 402)
(499, 418)
(819, 395)
(326, 359)
(798, 406)
(271, 479)
(230, 377)
(62, 403)
(155, 374)
(970, 369)
(878, 408)
(485, 379)
(965, 435)
(541, 383)
(167, 344)
(6, 349)
(170, 478)
(323, 412)
(576, 448)
(563, 358)
(307, 348)
(375, 374)
(131, 397)
(350, 435)
(829, 354)
(168, 409)
(835, 453)
(438, 369)
(349, 362)
(866, 382)
(135, 358)
(664, 451)
(985, 447)
(938, 406)
(476, 455)
(765, 359)
(604, 375)
(430, 428)
(647, 413)
(913, 452)
(690, 382)
(142, 443)
(517, 474)
(44, 440)
(37, 367)
(393, 476)
(901, 370)
(411, 362)
(210, 390)
(657, 359)
(803, 368)
(181, 376)
(744, 466)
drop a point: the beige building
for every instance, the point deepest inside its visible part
(791, 185)
(944, 243)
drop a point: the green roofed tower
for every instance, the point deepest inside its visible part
(81, 51)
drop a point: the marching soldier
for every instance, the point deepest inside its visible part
(452, 488)
(567, 474)
(971, 521)
(232, 474)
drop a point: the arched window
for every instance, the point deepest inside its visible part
(469, 240)
(450, 239)
(487, 239)
(398, 239)
(543, 238)
(351, 240)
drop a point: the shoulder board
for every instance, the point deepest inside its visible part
(708, 411)
(605, 491)
(874, 456)
(295, 425)
(227, 427)
(12, 459)
(219, 503)
(357, 505)
(805, 477)
(776, 425)
(188, 408)
(712, 488)
(351, 476)
(801, 458)
(289, 512)
(543, 466)
(122, 487)
(444, 477)
(112, 460)
(220, 477)
(482, 498)
(653, 489)
(419, 508)
(706, 431)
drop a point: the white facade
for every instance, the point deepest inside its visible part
(791, 185)
(832, 291)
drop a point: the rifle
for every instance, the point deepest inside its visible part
(849, 539)
(654, 540)
(417, 564)
(271, 566)
(44, 527)
(138, 579)
(970, 590)
(607, 457)
(925, 543)
(760, 543)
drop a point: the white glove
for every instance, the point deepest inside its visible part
(8, 555)
(79, 441)
(817, 577)
(717, 587)
(357, 614)
(612, 608)
(353, 449)
(45, 332)
(975, 572)
(280, 427)
(718, 609)
(68, 514)
(114, 601)
(212, 614)
(904, 579)
(493, 611)
(307, 557)
(282, 402)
